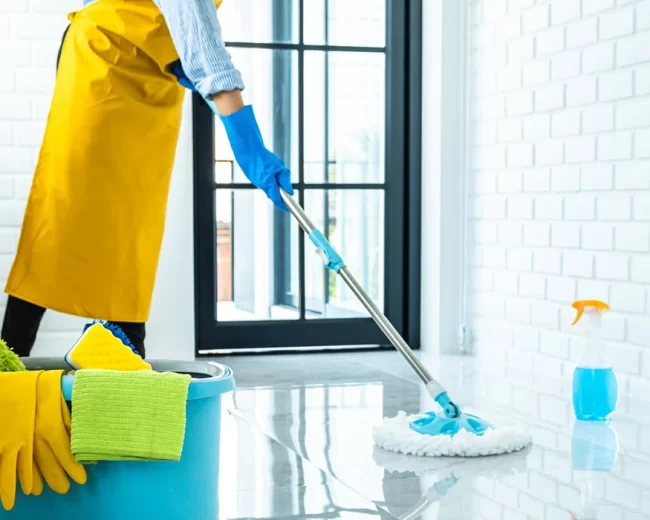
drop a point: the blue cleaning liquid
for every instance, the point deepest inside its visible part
(595, 393)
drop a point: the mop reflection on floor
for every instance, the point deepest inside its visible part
(449, 474)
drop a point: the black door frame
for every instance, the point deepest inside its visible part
(402, 207)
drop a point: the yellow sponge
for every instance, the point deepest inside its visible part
(98, 348)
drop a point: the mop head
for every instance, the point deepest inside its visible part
(395, 434)
(443, 467)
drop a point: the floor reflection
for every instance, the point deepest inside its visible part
(297, 443)
(260, 478)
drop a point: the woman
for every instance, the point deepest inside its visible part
(93, 226)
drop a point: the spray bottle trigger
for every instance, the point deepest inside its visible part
(581, 305)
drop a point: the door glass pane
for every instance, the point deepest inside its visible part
(345, 113)
(260, 21)
(272, 89)
(345, 22)
(257, 258)
(353, 221)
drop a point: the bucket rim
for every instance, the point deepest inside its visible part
(213, 378)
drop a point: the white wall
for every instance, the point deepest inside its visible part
(559, 179)
(170, 333)
(30, 33)
(443, 196)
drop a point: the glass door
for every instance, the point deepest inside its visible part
(328, 80)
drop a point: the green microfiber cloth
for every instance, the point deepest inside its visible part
(9, 360)
(128, 415)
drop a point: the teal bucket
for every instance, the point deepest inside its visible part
(143, 490)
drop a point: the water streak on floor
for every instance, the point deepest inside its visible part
(296, 444)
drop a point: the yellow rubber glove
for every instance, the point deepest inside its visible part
(17, 418)
(37, 481)
(52, 435)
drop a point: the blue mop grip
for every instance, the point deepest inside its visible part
(331, 258)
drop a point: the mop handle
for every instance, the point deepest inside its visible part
(334, 262)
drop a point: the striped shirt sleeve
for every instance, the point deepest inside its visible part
(196, 33)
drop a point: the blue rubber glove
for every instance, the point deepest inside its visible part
(263, 168)
(177, 69)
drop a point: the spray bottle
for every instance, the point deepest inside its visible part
(595, 389)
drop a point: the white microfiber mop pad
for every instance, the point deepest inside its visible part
(395, 434)
(442, 467)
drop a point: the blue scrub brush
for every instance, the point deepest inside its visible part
(451, 420)
(117, 331)
(105, 346)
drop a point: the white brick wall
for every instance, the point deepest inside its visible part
(30, 33)
(559, 176)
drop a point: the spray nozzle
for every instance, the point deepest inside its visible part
(582, 305)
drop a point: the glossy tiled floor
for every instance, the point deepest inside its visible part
(296, 444)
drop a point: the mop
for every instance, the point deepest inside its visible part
(449, 432)
(402, 434)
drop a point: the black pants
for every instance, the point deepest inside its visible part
(22, 319)
(58, 54)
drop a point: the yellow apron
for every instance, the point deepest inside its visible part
(93, 226)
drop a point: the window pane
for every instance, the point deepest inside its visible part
(272, 88)
(260, 21)
(257, 259)
(351, 87)
(345, 22)
(315, 124)
(353, 220)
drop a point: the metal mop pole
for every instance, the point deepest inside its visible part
(334, 262)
